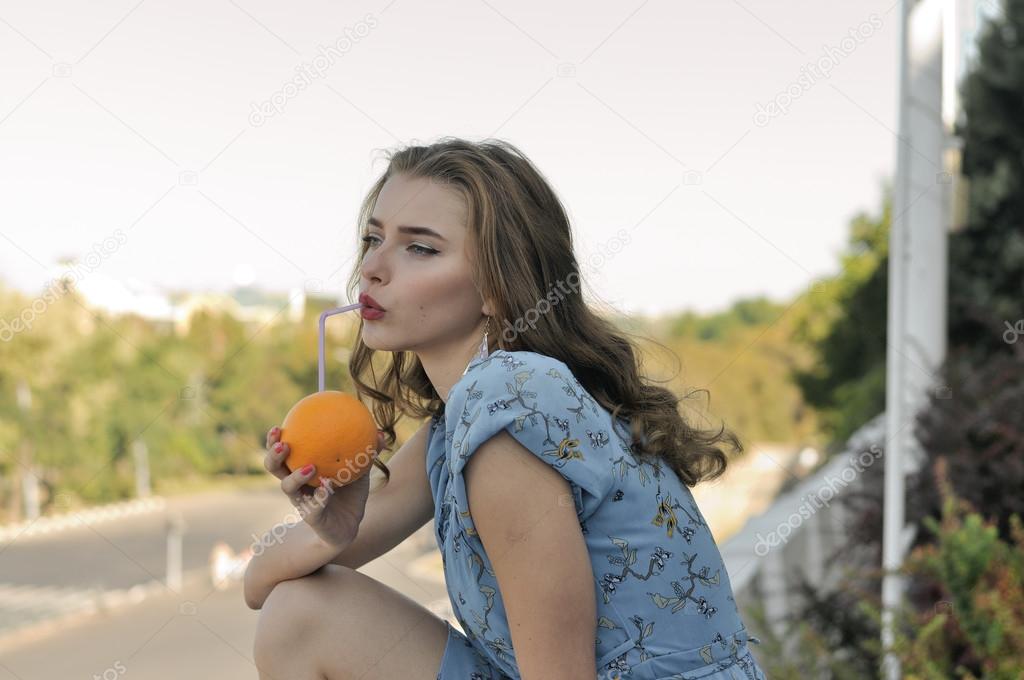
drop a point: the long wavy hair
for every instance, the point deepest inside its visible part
(521, 241)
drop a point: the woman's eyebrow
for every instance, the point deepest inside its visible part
(407, 229)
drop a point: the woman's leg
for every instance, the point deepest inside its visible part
(340, 624)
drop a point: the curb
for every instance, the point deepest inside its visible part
(69, 520)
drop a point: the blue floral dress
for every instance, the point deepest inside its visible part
(665, 608)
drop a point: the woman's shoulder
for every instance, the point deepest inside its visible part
(502, 363)
(537, 399)
(527, 382)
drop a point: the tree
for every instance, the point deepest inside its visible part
(986, 282)
(844, 322)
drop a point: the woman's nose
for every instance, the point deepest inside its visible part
(373, 266)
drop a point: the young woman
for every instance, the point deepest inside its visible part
(557, 477)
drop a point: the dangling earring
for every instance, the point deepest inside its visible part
(483, 353)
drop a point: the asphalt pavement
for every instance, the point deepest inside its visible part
(51, 627)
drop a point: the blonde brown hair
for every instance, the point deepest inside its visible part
(522, 243)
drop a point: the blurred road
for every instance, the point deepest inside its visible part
(201, 632)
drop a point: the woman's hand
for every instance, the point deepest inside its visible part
(334, 512)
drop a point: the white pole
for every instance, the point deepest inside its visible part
(30, 492)
(175, 529)
(29, 480)
(893, 503)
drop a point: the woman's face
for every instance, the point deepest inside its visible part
(420, 277)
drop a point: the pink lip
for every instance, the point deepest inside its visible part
(370, 302)
(370, 313)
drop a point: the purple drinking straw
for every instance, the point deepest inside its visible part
(323, 319)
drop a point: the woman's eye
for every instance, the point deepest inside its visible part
(370, 239)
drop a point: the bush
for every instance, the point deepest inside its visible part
(975, 627)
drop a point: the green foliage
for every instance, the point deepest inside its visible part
(845, 649)
(743, 356)
(719, 327)
(843, 321)
(964, 620)
(975, 628)
(976, 434)
(200, 401)
(987, 255)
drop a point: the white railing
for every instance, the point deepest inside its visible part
(799, 530)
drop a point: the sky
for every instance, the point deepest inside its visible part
(705, 151)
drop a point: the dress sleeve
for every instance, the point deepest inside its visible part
(540, 403)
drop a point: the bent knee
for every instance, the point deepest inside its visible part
(292, 614)
(294, 604)
(286, 613)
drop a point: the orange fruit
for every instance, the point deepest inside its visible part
(335, 432)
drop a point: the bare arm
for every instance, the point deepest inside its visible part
(552, 612)
(392, 513)
(285, 552)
